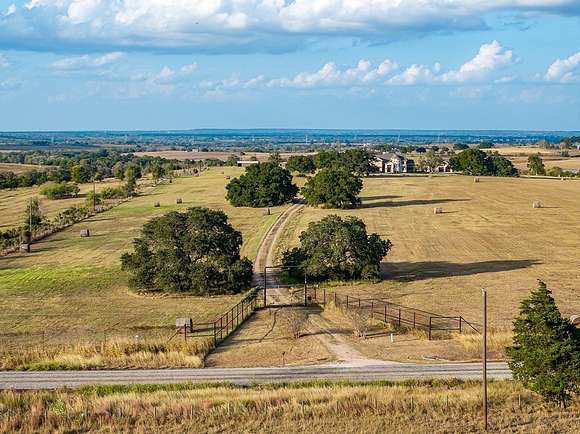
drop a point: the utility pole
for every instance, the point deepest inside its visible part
(94, 196)
(484, 293)
(305, 290)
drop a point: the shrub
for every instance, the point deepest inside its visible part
(59, 190)
(113, 193)
(333, 188)
(360, 321)
(295, 322)
(336, 248)
(264, 184)
(196, 251)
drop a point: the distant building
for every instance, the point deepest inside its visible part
(245, 163)
(394, 163)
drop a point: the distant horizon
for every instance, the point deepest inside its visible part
(274, 129)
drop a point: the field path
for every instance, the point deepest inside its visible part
(334, 343)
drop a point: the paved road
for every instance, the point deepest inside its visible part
(387, 371)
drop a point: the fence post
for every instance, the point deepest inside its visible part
(385, 312)
(221, 328)
(359, 303)
(335, 305)
(414, 322)
(430, 318)
(324, 293)
(460, 319)
(347, 301)
(372, 308)
(399, 317)
(215, 333)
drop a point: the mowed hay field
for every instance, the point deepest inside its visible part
(13, 202)
(71, 287)
(489, 236)
(21, 168)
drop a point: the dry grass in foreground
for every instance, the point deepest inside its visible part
(410, 407)
(115, 354)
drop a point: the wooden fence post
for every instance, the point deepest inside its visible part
(460, 319)
(414, 322)
(385, 312)
(430, 318)
(399, 317)
(372, 308)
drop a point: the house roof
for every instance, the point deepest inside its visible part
(389, 157)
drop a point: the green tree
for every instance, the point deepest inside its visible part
(501, 166)
(460, 146)
(545, 356)
(80, 174)
(431, 161)
(263, 184)
(333, 188)
(359, 161)
(336, 248)
(118, 170)
(536, 165)
(232, 160)
(33, 214)
(157, 172)
(196, 251)
(275, 157)
(327, 159)
(303, 164)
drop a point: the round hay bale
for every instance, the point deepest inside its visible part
(85, 233)
(24, 248)
(536, 204)
(156, 204)
(178, 200)
(437, 210)
(575, 319)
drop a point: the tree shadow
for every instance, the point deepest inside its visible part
(410, 271)
(386, 196)
(413, 202)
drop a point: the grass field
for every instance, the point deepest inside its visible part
(488, 237)
(19, 169)
(13, 202)
(408, 407)
(571, 163)
(223, 155)
(72, 289)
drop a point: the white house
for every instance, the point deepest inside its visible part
(394, 163)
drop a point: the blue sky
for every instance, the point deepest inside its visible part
(178, 64)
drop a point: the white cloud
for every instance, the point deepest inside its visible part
(565, 70)
(202, 25)
(331, 75)
(86, 61)
(489, 58)
(3, 61)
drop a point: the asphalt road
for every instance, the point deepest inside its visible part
(245, 376)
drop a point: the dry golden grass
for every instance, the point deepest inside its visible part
(489, 236)
(563, 163)
(184, 155)
(71, 289)
(411, 407)
(19, 169)
(13, 202)
(528, 150)
(264, 341)
(116, 353)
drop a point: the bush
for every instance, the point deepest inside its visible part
(333, 188)
(59, 190)
(196, 251)
(264, 184)
(113, 193)
(294, 322)
(338, 249)
(545, 356)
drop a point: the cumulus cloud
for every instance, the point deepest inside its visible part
(565, 70)
(206, 25)
(331, 75)
(86, 61)
(490, 58)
